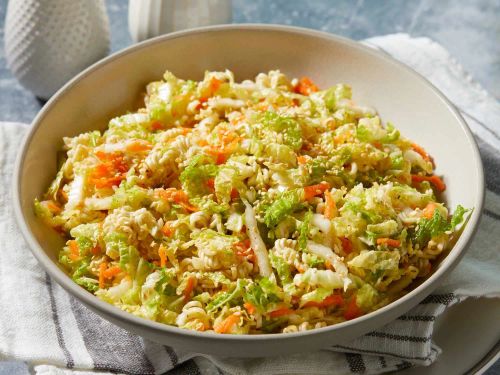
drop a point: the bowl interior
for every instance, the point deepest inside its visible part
(114, 87)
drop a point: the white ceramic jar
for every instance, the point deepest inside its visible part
(149, 18)
(47, 42)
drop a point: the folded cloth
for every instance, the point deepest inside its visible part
(44, 326)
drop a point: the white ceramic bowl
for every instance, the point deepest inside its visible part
(113, 86)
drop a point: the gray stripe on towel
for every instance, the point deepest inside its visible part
(355, 362)
(111, 348)
(386, 354)
(391, 336)
(491, 163)
(172, 355)
(491, 214)
(70, 363)
(187, 368)
(443, 299)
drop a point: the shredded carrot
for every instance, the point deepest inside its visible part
(189, 288)
(139, 145)
(96, 250)
(305, 86)
(434, 180)
(249, 307)
(112, 272)
(202, 142)
(53, 207)
(157, 125)
(419, 149)
(101, 170)
(102, 269)
(201, 103)
(74, 250)
(314, 190)
(301, 159)
(101, 183)
(342, 138)
(221, 153)
(346, 244)
(281, 312)
(220, 157)
(163, 256)
(334, 299)
(428, 211)
(330, 206)
(214, 86)
(377, 144)
(228, 323)
(211, 183)
(106, 156)
(300, 268)
(234, 194)
(226, 134)
(177, 196)
(110, 172)
(352, 311)
(388, 241)
(167, 229)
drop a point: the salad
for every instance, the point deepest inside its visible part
(264, 206)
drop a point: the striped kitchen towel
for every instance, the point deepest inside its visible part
(42, 325)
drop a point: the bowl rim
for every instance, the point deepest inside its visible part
(417, 294)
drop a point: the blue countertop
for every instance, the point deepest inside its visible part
(470, 30)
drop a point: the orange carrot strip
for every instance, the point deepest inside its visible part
(346, 244)
(214, 85)
(434, 180)
(177, 196)
(74, 250)
(234, 193)
(300, 268)
(301, 159)
(420, 150)
(139, 145)
(249, 307)
(211, 183)
(314, 190)
(167, 229)
(188, 207)
(428, 211)
(388, 241)
(352, 311)
(111, 272)
(228, 323)
(53, 207)
(330, 206)
(334, 299)
(163, 256)
(189, 288)
(96, 250)
(305, 86)
(157, 125)
(280, 312)
(102, 269)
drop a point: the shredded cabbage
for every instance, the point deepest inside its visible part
(260, 206)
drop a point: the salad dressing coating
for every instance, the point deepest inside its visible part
(263, 206)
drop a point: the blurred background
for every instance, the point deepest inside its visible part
(470, 30)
